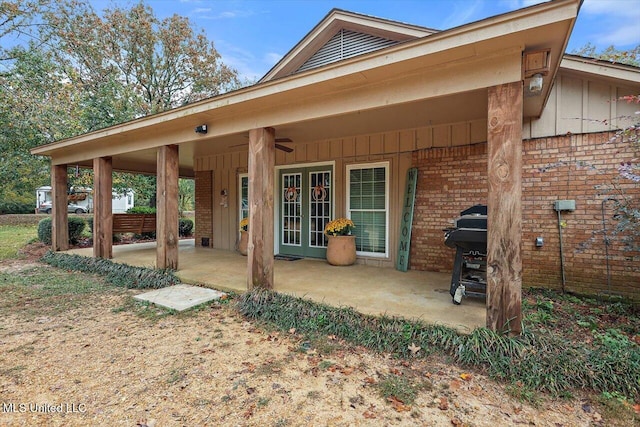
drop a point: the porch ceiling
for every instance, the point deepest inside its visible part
(464, 106)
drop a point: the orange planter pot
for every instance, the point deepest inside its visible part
(341, 250)
(244, 241)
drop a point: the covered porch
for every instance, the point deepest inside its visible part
(420, 295)
(371, 113)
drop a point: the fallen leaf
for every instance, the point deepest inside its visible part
(332, 337)
(346, 371)
(636, 408)
(292, 330)
(369, 380)
(456, 422)
(454, 385)
(395, 371)
(249, 412)
(368, 415)
(250, 366)
(414, 348)
(398, 404)
(466, 377)
(443, 405)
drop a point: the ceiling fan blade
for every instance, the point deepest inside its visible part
(284, 140)
(284, 148)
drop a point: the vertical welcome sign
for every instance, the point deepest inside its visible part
(402, 263)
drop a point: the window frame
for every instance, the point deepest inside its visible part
(240, 178)
(387, 166)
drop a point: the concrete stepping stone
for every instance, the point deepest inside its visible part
(180, 297)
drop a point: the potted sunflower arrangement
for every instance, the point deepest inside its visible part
(244, 236)
(341, 248)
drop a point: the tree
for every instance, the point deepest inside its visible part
(144, 64)
(16, 18)
(629, 57)
(82, 71)
(36, 107)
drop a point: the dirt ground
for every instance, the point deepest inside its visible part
(104, 363)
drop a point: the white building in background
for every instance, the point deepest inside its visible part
(80, 200)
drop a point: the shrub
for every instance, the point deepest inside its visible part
(10, 207)
(185, 227)
(115, 273)
(141, 210)
(76, 227)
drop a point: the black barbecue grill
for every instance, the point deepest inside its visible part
(469, 238)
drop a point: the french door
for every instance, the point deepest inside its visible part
(306, 206)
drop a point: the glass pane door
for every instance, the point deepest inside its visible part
(306, 206)
(320, 207)
(291, 210)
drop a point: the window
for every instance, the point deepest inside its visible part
(244, 197)
(367, 206)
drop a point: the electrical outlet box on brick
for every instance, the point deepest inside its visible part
(564, 205)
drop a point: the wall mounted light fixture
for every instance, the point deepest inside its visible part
(535, 84)
(201, 129)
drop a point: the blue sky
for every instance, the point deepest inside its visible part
(252, 35)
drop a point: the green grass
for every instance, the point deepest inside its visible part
(14, 237)
(402, 388)
(46, 291)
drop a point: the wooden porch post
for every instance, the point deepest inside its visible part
(102, 201)
(167, 207)
(504, 263)
(261, 239)
(59, 224)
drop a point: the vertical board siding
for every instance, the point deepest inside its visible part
(579, 105)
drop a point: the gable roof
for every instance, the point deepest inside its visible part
(619, 73)
(342, 35)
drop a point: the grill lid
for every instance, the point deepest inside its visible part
(475, 209)
(472, 221)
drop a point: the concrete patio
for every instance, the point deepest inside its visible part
(414, 294)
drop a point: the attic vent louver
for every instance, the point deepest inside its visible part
(345, 44)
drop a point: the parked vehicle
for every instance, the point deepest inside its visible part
(80, 200)
(71, 208)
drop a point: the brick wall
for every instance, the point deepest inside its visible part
(572, 167)
(204, 206)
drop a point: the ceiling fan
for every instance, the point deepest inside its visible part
(278, 146)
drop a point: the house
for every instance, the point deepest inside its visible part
(490, 112)
(82, 198)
